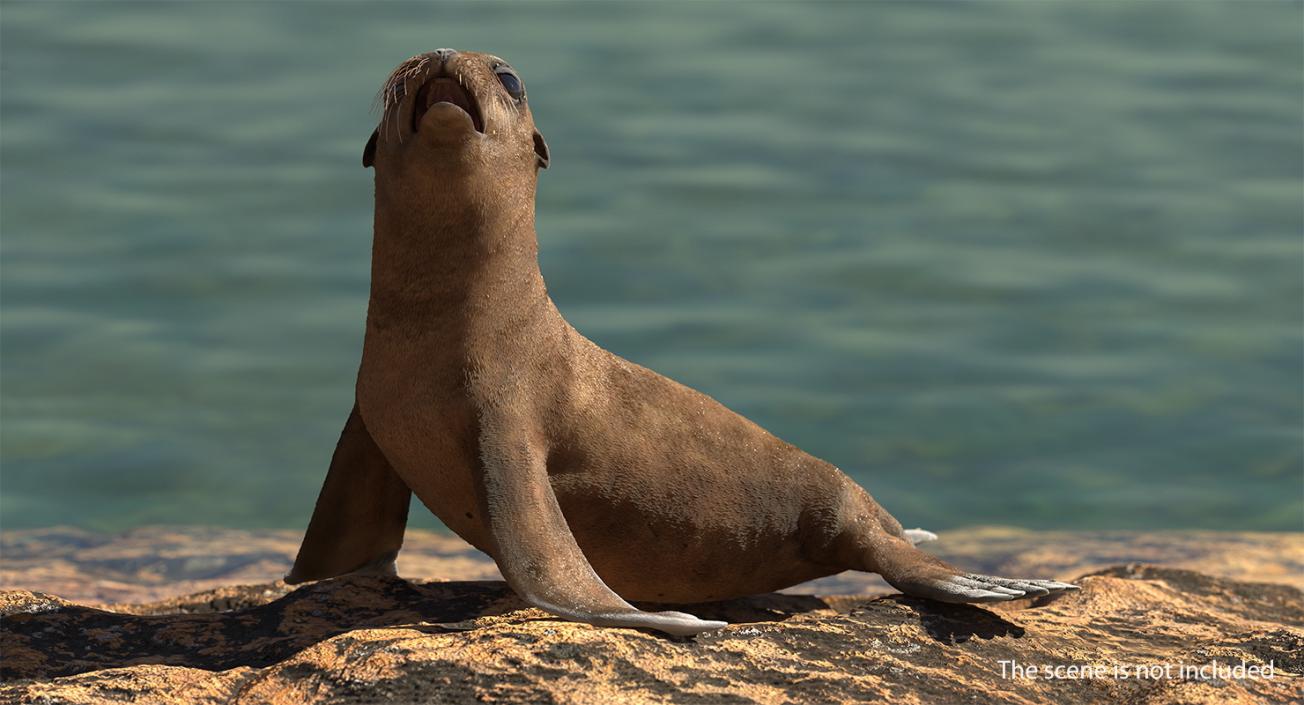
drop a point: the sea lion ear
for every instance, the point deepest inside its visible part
(369, 152)
(541, 150)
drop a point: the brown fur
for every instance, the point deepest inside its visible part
(588, 478)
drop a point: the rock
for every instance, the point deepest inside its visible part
(154, 563)
(374, 639)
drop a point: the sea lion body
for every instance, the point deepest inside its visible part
(634, 460)
(590, 480)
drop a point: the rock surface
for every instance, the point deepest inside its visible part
(370, 639)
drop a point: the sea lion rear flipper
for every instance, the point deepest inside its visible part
(361, 512)
(916, 573)
(536, 551)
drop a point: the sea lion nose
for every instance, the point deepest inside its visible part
(443, 55)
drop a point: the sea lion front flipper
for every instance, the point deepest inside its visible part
(916, 573)
(361, 512)
(536, 551)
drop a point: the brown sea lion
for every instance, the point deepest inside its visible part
(589, 479)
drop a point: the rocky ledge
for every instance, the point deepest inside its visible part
(1135, 633)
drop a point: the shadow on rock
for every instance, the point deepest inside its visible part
(771, 607)
(956, 624)
(46, 639)
(51, 640)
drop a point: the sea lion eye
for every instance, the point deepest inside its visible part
(511, 83)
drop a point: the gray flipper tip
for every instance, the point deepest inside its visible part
(918, 536)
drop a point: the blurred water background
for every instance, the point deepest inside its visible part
(1023, 263)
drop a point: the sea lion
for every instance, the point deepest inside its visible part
(589, 479)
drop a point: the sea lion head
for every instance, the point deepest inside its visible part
(454, 113)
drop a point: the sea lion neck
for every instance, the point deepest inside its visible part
(461, 255)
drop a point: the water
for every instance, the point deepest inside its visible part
(1022, 263)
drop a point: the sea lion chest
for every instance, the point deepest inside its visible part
(412, 397)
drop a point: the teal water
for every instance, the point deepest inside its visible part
(1025, 263)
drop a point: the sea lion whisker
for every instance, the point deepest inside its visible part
(388, 98)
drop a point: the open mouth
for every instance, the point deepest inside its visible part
(445, 89)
